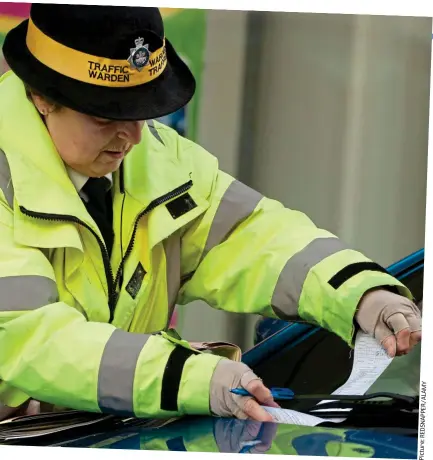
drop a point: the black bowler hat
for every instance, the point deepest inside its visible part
(112, 62)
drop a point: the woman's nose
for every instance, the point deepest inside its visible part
(131, 131)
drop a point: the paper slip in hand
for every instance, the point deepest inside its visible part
(369, 362)
(293, 417)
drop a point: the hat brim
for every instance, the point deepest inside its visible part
(172, 90)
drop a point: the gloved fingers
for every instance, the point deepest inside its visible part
(403, 342)
(398, 324)
(229, 375)
(261, 393)
(396, 344)
(245, 407)
(387, 336)
(389, 343)
(397, 321)
(414, 322)
(415, 338)
(407, 329)
(384, 314)
(410, 312)
(254, 411)
(238, 409)
(250, 406)
(399, 343)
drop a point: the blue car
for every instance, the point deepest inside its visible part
(300, 356)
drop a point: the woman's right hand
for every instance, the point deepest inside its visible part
(229, 375)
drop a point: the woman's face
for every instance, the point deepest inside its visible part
(91, 146)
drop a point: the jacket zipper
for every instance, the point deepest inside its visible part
(67, 218)
(153, 204)
(112, 281)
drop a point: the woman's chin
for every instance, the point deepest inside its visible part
(106, 167)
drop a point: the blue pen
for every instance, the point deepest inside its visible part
(277, 393)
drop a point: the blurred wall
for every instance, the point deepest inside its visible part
(342, 126)
(328, 114)
(220, 127)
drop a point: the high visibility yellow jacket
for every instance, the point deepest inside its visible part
(86, 331)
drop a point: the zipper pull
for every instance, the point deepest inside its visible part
(112, 304)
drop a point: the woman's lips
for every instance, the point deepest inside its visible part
(115, 154)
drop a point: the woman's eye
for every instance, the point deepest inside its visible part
(103, 121)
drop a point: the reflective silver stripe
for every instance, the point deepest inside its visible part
(117, 372)
(29, 292)
(7, 188)
(285, 299)
(154, 131)
(172, 257)
(237, 203)
(5, 179)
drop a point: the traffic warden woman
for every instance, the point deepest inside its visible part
(91, 269)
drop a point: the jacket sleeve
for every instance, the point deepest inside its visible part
(250, 254)
(50, 352)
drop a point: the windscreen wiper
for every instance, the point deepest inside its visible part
(382, 399)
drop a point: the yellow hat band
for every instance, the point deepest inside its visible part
(141, 67)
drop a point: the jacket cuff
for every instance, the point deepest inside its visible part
(194, 391)
(354, 295)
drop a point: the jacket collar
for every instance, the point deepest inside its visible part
(79, 180)
(150, 171)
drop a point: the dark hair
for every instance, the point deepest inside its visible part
(29, 91)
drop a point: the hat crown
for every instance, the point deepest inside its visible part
(100, 30)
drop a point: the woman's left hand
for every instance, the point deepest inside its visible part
(393, 320)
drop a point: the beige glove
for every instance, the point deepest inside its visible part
(232, 374)
(393, 320)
